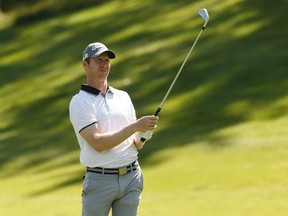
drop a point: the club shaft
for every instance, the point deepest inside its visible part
(177, 75)
(179, 72)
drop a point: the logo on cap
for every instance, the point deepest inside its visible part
(96, 48)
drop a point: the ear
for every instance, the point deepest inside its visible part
(84, 64)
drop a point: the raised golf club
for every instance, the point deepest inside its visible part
(204, 14)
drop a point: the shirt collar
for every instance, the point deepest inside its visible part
(93, 90)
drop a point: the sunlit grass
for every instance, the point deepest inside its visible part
(242, 177)
(234, 180)
(221, 142)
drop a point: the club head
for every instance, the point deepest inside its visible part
(204, 14)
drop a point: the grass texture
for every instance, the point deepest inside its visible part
(220, 147)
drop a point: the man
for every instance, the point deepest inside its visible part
(109, 136)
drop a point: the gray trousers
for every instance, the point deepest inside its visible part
(102, 192)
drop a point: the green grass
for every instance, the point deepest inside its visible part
(221, 143)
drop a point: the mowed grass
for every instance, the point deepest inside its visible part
(220, 147)
(194, 180)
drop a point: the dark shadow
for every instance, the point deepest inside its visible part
(251, 68)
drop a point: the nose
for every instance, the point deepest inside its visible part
(104, 63)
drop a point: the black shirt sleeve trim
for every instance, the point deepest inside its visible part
(87, 126)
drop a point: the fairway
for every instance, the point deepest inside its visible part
(220, 147)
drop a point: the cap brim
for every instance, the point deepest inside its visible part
(111, 54)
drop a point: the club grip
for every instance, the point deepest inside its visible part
(157, 111)
(156, 114)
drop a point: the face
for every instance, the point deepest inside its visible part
(98, 68)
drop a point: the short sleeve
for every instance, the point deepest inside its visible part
(82, 114)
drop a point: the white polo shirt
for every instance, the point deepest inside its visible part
(111, 111)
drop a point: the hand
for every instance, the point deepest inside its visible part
(146, 123)
(141, 138)
(145, 136)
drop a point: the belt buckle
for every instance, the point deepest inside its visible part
(122, 171)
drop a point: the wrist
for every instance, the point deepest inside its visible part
(134, 127)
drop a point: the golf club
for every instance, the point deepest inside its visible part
(204, 14)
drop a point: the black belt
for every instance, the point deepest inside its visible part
(114, 171)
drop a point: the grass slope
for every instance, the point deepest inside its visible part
(221, 144)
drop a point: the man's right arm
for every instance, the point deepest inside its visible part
(104, 141)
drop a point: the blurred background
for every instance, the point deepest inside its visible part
(220, 147)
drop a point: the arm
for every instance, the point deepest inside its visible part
(101, 142)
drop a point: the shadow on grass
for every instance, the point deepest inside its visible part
(233, 69)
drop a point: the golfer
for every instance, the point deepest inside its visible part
(109, 134)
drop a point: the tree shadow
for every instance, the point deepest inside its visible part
(222, 73)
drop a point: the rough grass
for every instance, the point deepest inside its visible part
(221, 144)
